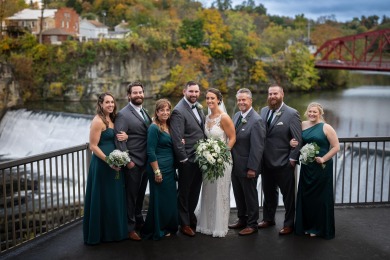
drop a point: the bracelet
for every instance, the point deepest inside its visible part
(157, 172)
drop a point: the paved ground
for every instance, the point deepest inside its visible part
(361, 233)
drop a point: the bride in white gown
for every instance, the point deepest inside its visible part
(214, 206)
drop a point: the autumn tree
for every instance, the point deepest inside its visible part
(194, 64)
(323, 32)
(216, 33)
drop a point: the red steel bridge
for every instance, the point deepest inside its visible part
(364, 51)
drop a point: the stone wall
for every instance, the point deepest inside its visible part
(110, 72)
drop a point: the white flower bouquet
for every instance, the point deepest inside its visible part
(118, 159)
(212, 154)
(308, 153)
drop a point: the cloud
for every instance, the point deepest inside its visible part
(343, 10)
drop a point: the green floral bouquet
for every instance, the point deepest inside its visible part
(212, 154)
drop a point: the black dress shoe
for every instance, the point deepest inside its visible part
(265, 224)
(237, 225)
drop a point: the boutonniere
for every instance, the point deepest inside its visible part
(198, 106)
(243, 121)
(278, 113)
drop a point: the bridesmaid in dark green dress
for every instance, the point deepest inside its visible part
(162, 217)
(315, 202)
(105, 216)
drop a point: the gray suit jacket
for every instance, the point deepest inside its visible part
(129, 121)
(185, 125)
(248, 150)
(283, 128)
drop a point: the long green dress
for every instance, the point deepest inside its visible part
(315, 203)
(105, 216)
(162, 216)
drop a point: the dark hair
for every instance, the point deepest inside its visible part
(217, 93)
(161, 103)
(134, 84)
(191, 83)
(99, 109)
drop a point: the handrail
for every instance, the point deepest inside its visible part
(41, 193)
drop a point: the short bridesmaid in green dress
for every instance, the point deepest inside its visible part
(315, 201)
(162, 217)
(105, 217)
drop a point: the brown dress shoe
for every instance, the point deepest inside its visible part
(134, 236)
(265, 224)
(186, 230)
(247, 231)
(286, 231)
(237, 225)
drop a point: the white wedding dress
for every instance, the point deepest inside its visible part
(214, 204)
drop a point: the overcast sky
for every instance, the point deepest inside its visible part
(344, 10)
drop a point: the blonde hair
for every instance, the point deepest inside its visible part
(319, 107)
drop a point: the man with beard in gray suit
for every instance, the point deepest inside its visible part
(247, 154)
(134, 121)
(279, 160)
(187, 128)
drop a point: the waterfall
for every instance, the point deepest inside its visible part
(362, 177)
(26, 133)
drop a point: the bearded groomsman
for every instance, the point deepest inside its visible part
(247, 155)
(279, 160)
(134, 121)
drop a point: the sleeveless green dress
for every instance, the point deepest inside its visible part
(105, 216)
(315, 202)
(162, 216)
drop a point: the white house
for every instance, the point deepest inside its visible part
(91, 29)
(30, 19)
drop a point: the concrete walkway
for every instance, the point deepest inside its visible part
(361, 233)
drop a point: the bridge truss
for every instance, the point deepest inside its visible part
(364, 51)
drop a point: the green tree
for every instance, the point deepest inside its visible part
(300, 69)
(191, 33)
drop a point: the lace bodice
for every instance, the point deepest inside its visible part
(213, 128)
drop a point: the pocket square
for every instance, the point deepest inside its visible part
(280, 123)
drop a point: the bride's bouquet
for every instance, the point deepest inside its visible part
(212, 154)
(308, 152)
(118, 159)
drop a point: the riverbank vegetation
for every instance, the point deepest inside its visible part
(223, 46)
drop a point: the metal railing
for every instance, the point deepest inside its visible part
(42, 193)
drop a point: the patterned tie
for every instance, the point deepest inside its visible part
(146, 119)
(270, 118)
(238, 121)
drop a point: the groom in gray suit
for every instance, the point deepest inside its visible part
(283, 124)
(187, 127)
(247, 155)
(134, 121)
